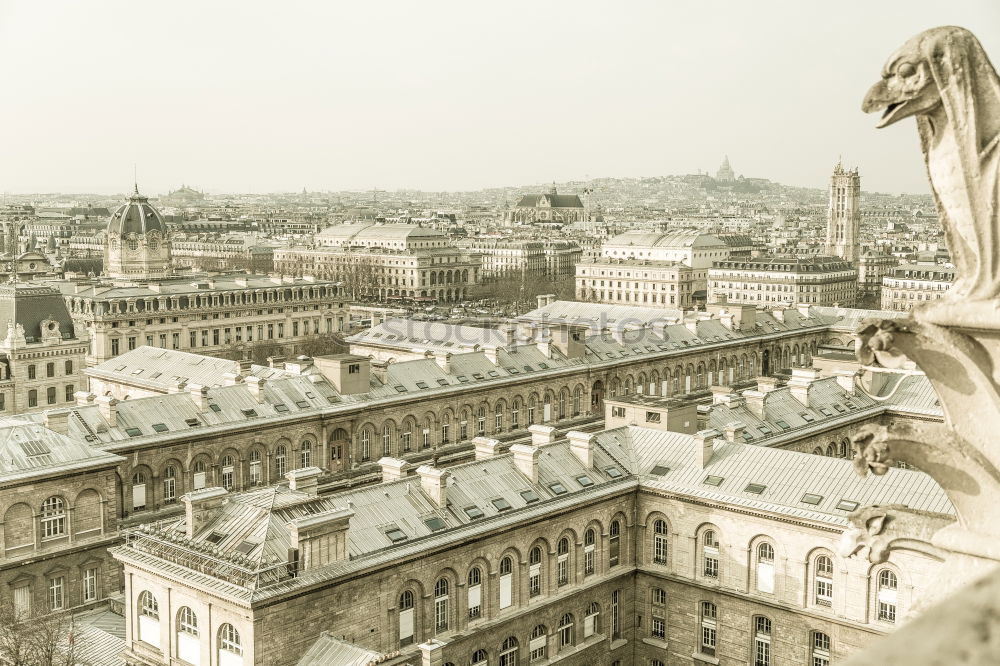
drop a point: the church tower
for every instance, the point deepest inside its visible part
(844, 215)
(136, 246)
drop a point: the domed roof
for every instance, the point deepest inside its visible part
(136, 216)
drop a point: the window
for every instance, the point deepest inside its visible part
(149, 619)
(589, 544)
(441, 605)
(366, 445)
(761, 641)
(506, 581)
(227, 472)
(479, 658)
(406, 618)
(33, 397)
(31, 372)
(660, 541)
(481, 421)
(614, 545)
(534, 572)
(50, 369)
(566, 630)
(591, 621)
(820, 649)
(230, 647)
(188, 645)
(710, 554)
(280, 460)
(69, 367)
(765, 568)
(256, 478)
(616, 617)
(200, 474)
(708, 628)
(305, 455)
(562, 562)
(56, 596)
(658, 626)
(886, 595)
(169, 484)
(90, 584)
(475, 592)
(508, 652)
(53, 518)
(824, 581)
(386, 439)
(538, 643)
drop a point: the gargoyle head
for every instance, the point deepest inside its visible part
(907, 87)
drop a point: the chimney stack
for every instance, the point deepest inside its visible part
(734, 431)
(719, 394)
(434, 481)
(321, 538)
(276, 362)
(256, 387)
(304, 480)
(393, 469)
(485, 447)
(231, 379)
(845, 379)
(57, 420)
(766, 384)
(581, 444)
(179, 386)
(84, 398)
(802, 379)
(444, 361)
(200, 506)
(244, 367)
(526, 460)
(542, 434)
(200, 396)
(109, 409)
(704, 446)
(755, 402)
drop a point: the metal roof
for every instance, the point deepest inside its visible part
(330, 651)
(28, 449)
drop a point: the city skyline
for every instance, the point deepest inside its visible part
(278, 102)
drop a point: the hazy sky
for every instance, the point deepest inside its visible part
(249, 96)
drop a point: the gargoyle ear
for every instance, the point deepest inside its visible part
(874, 524)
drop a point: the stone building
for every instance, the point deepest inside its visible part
(386, 262)
(843, 234)
(911, 284)
(725, 172)
(220, 252)
(137, 245)
(501, 257)
(872, 268)
(59, 507)
(817, 280)
(647, 282)
(211, 315)
(561, 257)
(547, 208)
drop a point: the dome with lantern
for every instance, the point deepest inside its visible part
(137, 244)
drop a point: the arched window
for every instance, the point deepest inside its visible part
(761, 641)
(660, 541)
(228, 465)
(535, 571)
(508, 652)
(506, 582)
(515, 410)
(765, 568)
(710, 554)
(708, 628)
(539, 643)
(386, 439)
(149, 619)
(658, 604)
(481, 421)
(365, 445)
(406, 617)
(614, 543)
(305, 454)
(446, 429)
(589, 545)
(169, 484)
(886, 595)
(53, 518)
(656, 662)
(592, 620)
(256, 478)
(188, 643)
(562, 561)
(824, 581)
(230, 647)
(820, 649)
(498, 418)
(280, 460)
(577, 401)
(138, 491)
(441, 604)
(479, 658)
(475, 592)
(566, 630)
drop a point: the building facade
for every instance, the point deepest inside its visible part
(872, 268)
(911, 284)
(548, 208)
(646, 282)
(137, 245)
(816, 280)
(843, 232)
(508, 257)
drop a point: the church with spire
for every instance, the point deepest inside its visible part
(137, 245)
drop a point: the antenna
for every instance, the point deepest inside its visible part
(135, 178)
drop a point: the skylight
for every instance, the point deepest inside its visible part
(557, 488)
(810, 498)
(754, 488)
(584, 480)
(400, 388)
(160, 427)
(280, 407)
(215, 537)
(473, 512)
(501, 504)
(249, 413)
(613, 472)
(712, 480)
(133, 432)
(214, 407)
(302, 404)
(529, 496)
(434, 523)
(659, 470)
(34, 447)
(395, 534)
(847, 505)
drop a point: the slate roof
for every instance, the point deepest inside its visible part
(28, 449)
(330, 651)
(428, 335)
(136, 216)
(555, 200)
(28, 304)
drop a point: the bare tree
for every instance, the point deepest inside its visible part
(36, 640)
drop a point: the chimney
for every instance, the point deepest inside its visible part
(734, 431)
(779, 314)
(276, 362)
(719, 393)
(704, 446)
(321, 538)
(304, 480)
(109, 409)
(231, 379)
(244, 367)
(485, 447)
(799, 384)
(350, 374)
(432, 652)
(542, 434)
(200, 506)
(728, 320)
(581, 444)
(803, 309)
(491, 354)
(767, 384)
(200, 396)
(84, 398)
(179, 386)
(444, 361)
(541, 300)
(256, 387)
(845, 379)
(381, 371)
(755, 402)
(57, 420)
(434, 481)
(393, 469)
(691, 325)
(299, 365)
(526, 460)
(509, 332)
(659, 327)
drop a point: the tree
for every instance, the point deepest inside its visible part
(324, 344)
(37, 640)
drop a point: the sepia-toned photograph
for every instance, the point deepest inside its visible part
(519, 333)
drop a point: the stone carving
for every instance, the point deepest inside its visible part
(944, 78)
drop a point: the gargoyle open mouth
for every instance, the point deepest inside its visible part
(890, 108)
